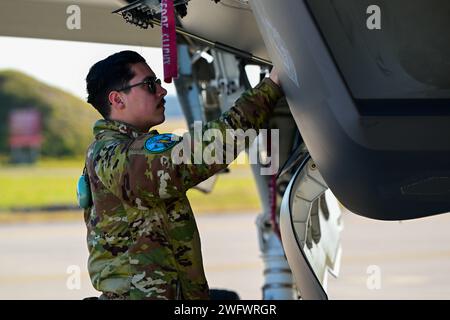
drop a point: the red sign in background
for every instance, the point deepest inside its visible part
(25, 128)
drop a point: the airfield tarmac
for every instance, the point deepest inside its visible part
(411, 259)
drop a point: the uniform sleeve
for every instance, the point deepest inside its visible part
(144, 176)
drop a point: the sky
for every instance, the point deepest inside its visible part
(65, 64)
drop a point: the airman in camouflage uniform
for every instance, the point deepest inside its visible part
(142, 236)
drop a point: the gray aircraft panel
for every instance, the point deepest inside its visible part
(47, 19)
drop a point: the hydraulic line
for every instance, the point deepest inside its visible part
(218, 45)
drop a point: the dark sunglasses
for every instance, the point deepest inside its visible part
(150, 82)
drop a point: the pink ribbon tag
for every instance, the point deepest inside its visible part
(169, 41)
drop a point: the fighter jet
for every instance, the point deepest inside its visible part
(366, 119)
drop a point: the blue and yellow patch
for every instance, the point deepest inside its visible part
(161, 142)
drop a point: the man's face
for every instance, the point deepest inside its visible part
(143, 108)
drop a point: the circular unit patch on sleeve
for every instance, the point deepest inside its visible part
(161, 142)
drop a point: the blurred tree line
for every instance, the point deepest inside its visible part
(66, 120)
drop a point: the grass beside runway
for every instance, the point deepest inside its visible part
(53, 183)
(49, 183)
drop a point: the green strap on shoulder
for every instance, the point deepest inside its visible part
(84, 195)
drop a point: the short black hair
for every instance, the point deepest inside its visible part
(107, 75)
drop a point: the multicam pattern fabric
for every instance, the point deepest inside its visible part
(142, 236)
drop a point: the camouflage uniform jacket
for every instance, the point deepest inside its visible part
(142, 236)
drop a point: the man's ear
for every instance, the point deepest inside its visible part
(115, 100)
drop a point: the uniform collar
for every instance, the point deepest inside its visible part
(106, 127)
